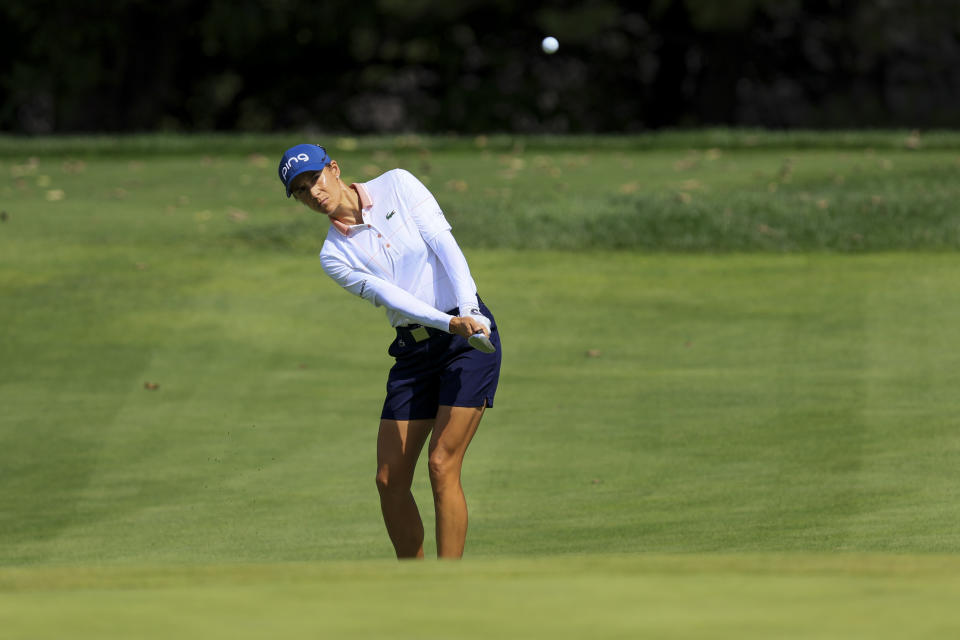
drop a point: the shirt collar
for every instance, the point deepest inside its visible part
(366, 202)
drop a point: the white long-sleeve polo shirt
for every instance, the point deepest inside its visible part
(403, 256)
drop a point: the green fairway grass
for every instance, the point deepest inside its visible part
(810, 596)
(743, 429)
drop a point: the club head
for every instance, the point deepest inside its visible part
(480, 342)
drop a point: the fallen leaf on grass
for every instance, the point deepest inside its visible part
(517, 164)
(74, 166)
(258, 160)
(21, 170)
(237, 215)
(786, 169)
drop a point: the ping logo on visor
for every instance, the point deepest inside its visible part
(300, 158)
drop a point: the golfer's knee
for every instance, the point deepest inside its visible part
(443, 467)
(391, 482)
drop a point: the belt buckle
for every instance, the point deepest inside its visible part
(420, 334)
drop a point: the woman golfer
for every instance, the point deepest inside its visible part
(389, 243)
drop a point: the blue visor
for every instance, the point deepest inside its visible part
(302, 157)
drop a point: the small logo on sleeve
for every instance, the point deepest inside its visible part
(390, 215)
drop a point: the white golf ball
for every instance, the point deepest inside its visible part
(550, 44)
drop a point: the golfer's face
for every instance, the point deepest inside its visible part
(319, 190)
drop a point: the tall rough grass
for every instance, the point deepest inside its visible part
(838, 221)
(675, 191)
(232, 143)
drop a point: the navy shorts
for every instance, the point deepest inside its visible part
(436, 368)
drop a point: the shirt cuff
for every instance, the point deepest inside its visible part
(440, 323)
(470, 309)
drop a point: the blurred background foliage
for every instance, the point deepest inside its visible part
(470, 66)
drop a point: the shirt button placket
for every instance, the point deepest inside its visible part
(379, 237)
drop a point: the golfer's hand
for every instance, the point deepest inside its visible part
(467, 326)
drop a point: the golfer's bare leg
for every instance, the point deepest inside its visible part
(452, 433)
(398, 446)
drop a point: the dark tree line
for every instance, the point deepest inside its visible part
(476, 66)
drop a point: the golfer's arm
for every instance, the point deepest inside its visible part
(455, 264)
(435, 231)
(382, 293)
